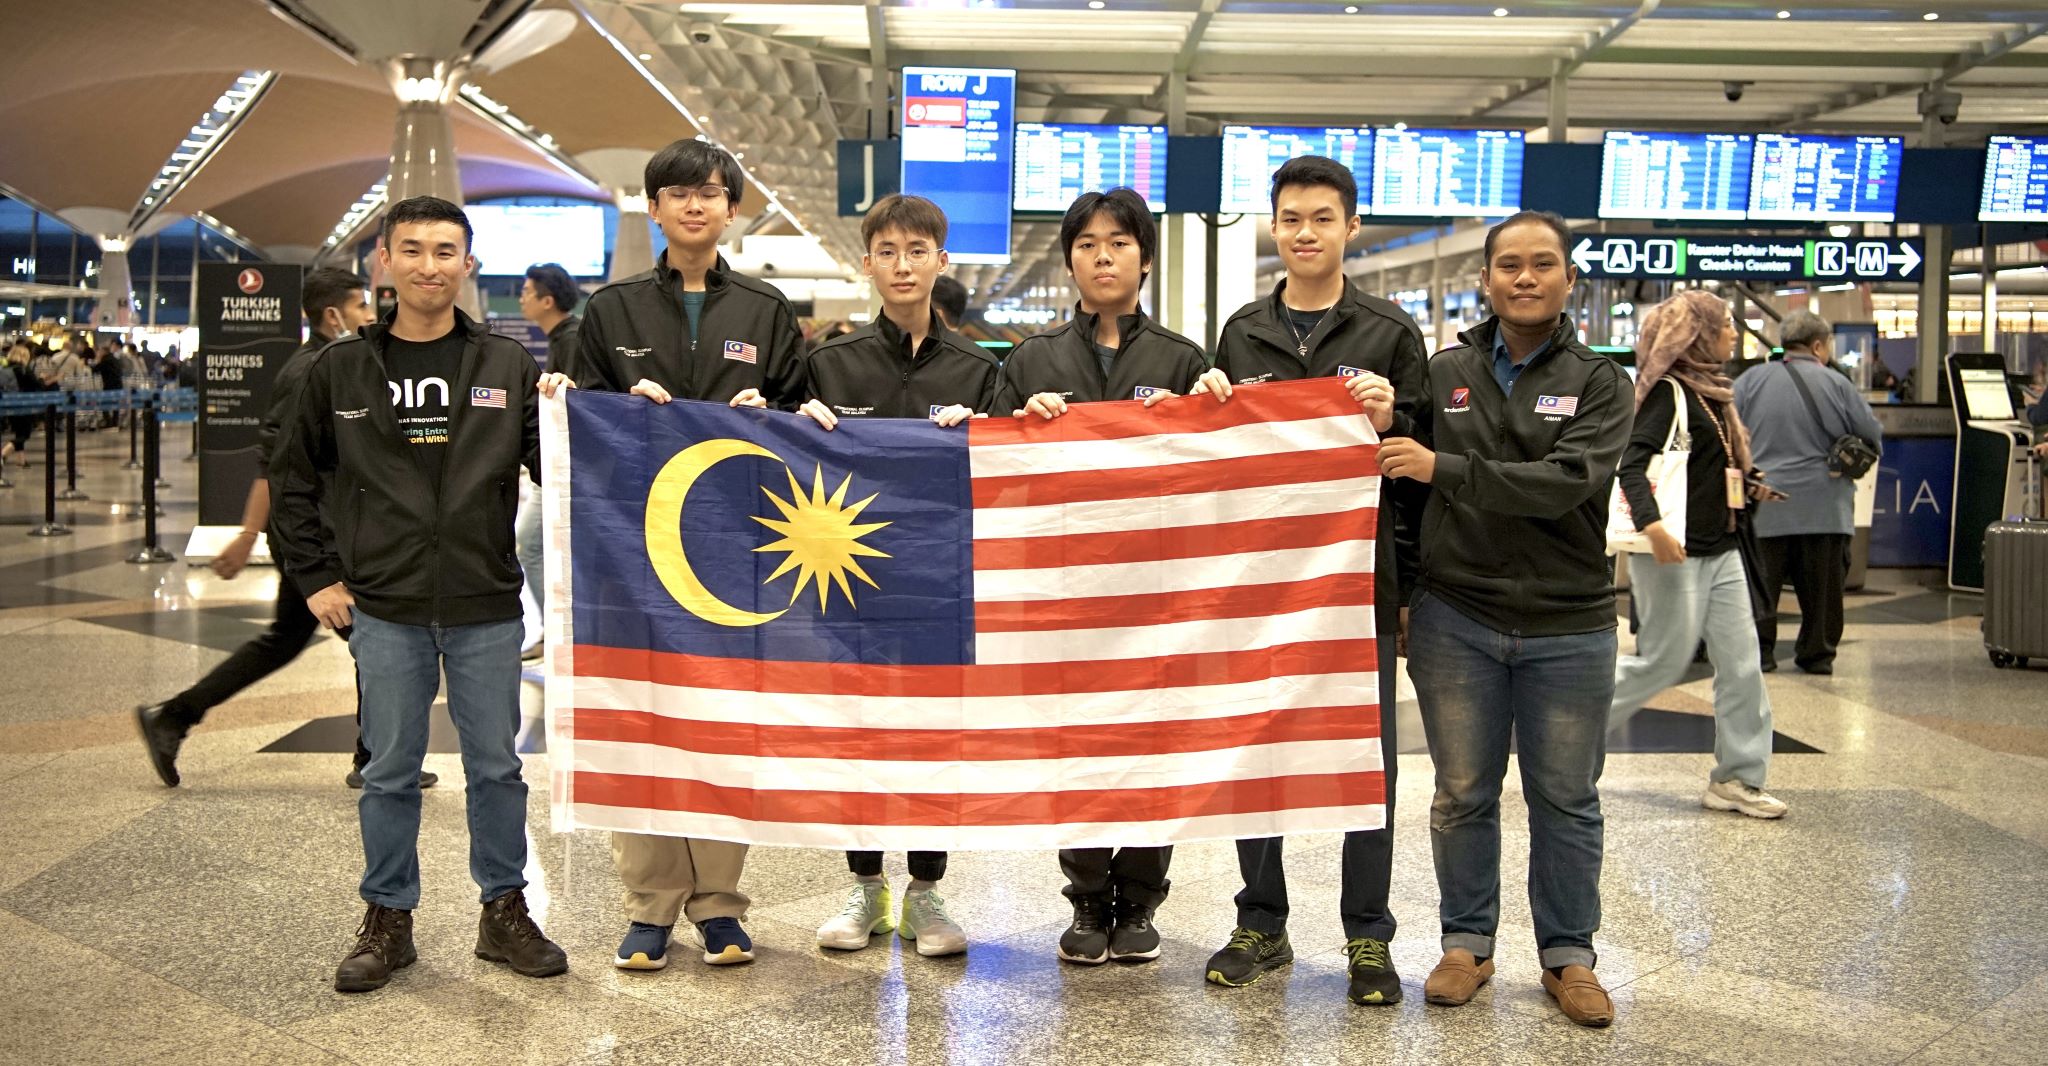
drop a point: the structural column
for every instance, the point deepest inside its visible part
(117, 307)
(623, 173)
(423, 159)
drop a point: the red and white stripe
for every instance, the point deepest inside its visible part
(1173, 640)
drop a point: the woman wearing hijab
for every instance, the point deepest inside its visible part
(1696, 586)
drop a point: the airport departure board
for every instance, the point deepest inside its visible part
(1252, 153)
(1056, 163)
(1812, 178)
(1675, 175)
(1447, 173)
(2015, 180)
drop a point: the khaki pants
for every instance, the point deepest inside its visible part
(668, 876)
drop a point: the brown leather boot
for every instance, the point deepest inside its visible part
(506, 933)
(1581, 996)
(1456, 978)
(383, 944)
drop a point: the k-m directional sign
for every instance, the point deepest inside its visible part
(1600, 255)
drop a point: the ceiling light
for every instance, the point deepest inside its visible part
(1932, 16)
(645, 56)
(1784, 14)
(1500, 12)
(1095, 5)
(1353, 10)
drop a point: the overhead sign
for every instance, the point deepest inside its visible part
(957, 127)
(1722, 257)
(868, 171)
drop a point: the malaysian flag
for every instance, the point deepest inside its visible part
(1557, 405)
(1122, 626)
(482, 397)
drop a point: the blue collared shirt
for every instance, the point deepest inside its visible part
(1505, 370)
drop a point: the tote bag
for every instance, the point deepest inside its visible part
(1667, 473)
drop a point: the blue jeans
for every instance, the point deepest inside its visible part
(1677, 605)
(526, 528)
(1477, 688)
(400, 668)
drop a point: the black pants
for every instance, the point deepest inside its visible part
(1367, 868)
(1817, 565)
(924, 865)
(291, 629)
(1135, 874)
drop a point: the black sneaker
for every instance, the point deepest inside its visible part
(1087, 940)
(506, 933)
(428, 778)
(383, 944)
(1373, 980)
(1248, 957)
(1135, 938)
(161, 739)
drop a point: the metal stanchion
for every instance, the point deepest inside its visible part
(71, 453)
(50, 527)
(134, 428)
(152, 455)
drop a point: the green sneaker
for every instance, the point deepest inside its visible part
(1373, 980)
(926, 924)
(1248, 956)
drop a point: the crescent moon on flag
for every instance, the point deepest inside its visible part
(665, 531)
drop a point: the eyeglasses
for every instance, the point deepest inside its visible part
(916, 257)
(706, 193)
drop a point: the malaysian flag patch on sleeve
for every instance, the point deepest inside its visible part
(740, 351)
(482, 397)
(1557, 405)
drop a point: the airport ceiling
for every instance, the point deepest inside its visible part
(94, 98)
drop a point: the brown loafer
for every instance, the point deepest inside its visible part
(1456, 979)
(1580, 995)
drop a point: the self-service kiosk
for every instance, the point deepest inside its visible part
(1991, 462)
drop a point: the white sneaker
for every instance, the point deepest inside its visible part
(865, 914)
(1736, 796)
(926, 924)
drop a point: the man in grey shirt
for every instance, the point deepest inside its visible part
(1804, 537)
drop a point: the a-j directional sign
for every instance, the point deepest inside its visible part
(1599, 255)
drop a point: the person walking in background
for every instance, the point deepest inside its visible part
(548, 299)
(1804, 537)
(1694, 584)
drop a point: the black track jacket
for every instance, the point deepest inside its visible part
(1062, 360)
(1360, 332)
(870, 373)
(1515, 533)
(406, 554)
(746, 338)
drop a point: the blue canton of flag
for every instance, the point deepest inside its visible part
(482, 397)
(1557, 405)
(734, 472)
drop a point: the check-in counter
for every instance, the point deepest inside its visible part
(1911, 492)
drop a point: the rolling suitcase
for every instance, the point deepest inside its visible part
(2016, 585)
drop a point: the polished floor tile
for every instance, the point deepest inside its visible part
(1895, 916)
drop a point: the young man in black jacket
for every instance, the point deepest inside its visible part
(407, 438)
(1512, 629)
(905, 364)
(1110, 351)
(690, 329)
(336, 303)
(548, 299)
(1315, 324)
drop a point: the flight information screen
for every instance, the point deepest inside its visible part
(1675, 175)
(1811, 178)
(957, 126)
(1437, 173)
(2015, 180)
(1056, 163)
(1252, 153)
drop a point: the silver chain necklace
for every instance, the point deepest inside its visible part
(1300, 342)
